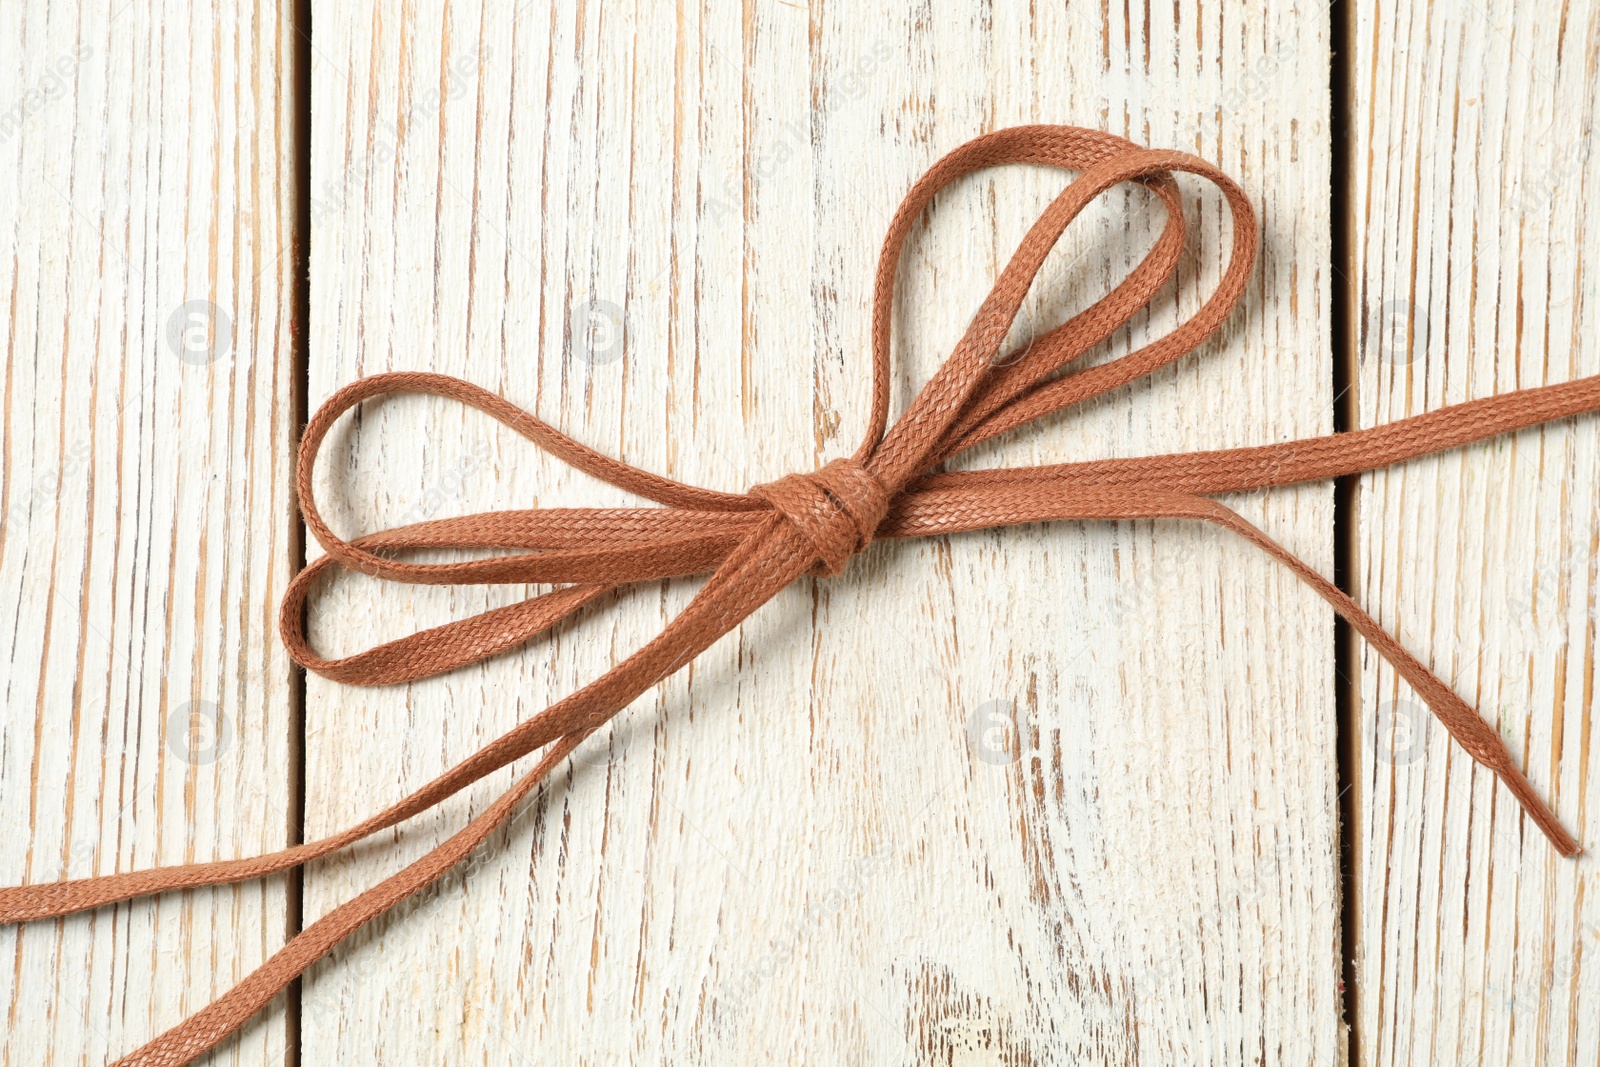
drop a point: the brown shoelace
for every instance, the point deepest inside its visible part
(753, 545)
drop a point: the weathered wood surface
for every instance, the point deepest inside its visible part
(1047, 795)
(656, 228)
(1475, 253)
(147, 208)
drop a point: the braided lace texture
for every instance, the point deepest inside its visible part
(754, 544)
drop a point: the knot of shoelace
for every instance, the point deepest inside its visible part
(753, 545)
(836, 509)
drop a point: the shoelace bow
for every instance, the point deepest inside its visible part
(753, 545)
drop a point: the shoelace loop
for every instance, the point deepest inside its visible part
(756, 543)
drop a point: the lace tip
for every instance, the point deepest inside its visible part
(1539, 811)
(1564, 842)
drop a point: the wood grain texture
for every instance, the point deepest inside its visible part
(147, 213)
(1476, 247)
(656, 227)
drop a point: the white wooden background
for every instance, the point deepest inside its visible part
(147, 209)
(655, 226)
(1476, 269)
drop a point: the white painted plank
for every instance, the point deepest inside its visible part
(147, 208)
(793, 850)
(1476, 252)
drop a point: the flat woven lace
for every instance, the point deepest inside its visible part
(754, 544)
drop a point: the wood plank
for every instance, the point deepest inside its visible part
(657, 229)
(148, 213)
(1476, 247)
